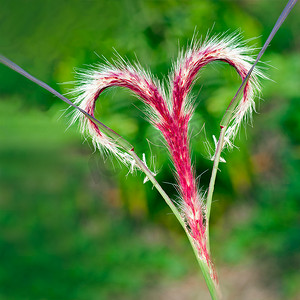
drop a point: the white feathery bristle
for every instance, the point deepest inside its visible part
(91, 82)
(226, 48)
(232, 50)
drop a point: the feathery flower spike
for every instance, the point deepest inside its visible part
(171, 116)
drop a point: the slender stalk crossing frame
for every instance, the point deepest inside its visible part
(230, 110)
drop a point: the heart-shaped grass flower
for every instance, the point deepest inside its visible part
(171, 114)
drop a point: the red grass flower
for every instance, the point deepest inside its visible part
(171, 115)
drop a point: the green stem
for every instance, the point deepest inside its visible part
(203, 265)
(212, 182)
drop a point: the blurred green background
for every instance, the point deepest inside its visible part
(74, 225)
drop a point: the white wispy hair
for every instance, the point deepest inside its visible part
(161, 106)
(233, 50)
(90, 84)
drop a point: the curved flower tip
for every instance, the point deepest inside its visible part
(93, 82)
(231, 50)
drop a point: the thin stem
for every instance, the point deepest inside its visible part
(203, 265)
(105, 129)
(230, 109)
(213, 180)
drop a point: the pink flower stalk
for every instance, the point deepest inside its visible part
(171, 116)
